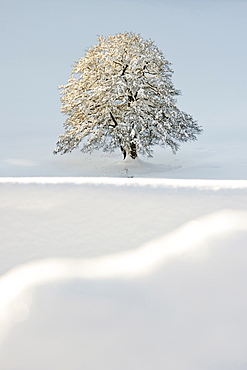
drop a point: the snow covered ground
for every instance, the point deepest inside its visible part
(208, 158)
(127, 273)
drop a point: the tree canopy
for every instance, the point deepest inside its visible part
(120, 95)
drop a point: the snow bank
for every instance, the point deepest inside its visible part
(195, 184)
(123, 273)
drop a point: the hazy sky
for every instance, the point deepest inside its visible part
(204, 39)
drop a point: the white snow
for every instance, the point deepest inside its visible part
(118, 272)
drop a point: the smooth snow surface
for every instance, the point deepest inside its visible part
(123, 273)
(204, 159)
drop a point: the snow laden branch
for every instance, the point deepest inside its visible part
(120, 95)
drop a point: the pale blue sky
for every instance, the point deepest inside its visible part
(204, 39)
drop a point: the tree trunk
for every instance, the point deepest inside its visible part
(123, 151)
(133, 153)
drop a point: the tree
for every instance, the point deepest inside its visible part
(120, 95)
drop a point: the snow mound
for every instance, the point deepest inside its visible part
(131, 167)
(139, 309)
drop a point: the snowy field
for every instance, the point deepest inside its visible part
(119, 265)
(123, 273)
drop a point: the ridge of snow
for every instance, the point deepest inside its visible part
(140, 182)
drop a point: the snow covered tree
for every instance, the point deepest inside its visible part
(120, 95)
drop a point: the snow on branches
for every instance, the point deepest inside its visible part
(120, 95)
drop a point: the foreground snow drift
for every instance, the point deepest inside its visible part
(123, 273)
